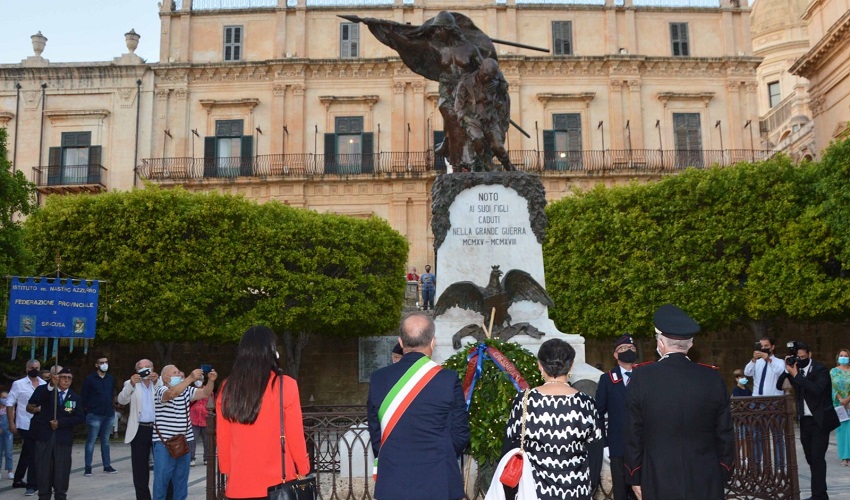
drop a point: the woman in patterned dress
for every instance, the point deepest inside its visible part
(840, 376)
(560, 423)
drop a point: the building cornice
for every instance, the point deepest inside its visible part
(837, 33)
(60, 114)
(705, 97)
(210, 104)
(585, 97)
(370, 100)
(83, 72)
(514, 67)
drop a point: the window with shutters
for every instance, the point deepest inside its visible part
(349, 40)
(76, 161)
(562, 38)
(233, 43)
(774, 96)
(349, 150)
(228, 153)
(679, 39)
(562, 148)
(687, 136)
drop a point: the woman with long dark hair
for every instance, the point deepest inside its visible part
(248, 420)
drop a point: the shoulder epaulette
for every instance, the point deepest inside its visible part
(638, 365)
(614, 376)
(709, 366)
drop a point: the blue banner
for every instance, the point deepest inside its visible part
(52, 308)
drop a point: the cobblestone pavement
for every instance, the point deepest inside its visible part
(120, 486)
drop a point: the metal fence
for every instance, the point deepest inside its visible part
(70, 175)
(589, 162)
(765, 450)
(340, 453)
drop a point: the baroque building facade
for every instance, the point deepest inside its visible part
(780, 38)
(827, 67)
(284, 100)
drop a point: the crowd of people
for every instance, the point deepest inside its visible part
(667, 424)
(166, 407)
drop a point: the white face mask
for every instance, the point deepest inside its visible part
(104, 367)
(199, 383)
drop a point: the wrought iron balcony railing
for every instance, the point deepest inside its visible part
(588, 162)
(58, 176)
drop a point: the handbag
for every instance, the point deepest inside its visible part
(297, 489)
(177, 445)
(513, 469)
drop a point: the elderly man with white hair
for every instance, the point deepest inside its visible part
(172, 418)
(138, 393)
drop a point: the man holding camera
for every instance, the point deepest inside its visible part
(171, 401)
(813, 391)
(765, 368)
(138, 392)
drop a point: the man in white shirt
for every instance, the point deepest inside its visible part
(19, 423)
(138, 393)
(765, 369)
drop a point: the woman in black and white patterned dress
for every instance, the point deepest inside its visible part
(561, 422)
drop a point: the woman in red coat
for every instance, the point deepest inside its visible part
(248, 420)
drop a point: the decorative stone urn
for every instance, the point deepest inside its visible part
(132, 40)
(38, 43)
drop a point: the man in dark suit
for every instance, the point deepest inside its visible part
(611, 405)
(417, 421)
(57, 411)
(813, 390)
(679, 440)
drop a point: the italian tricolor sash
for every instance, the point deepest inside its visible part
(402, 394)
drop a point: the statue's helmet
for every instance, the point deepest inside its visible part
(444, 18)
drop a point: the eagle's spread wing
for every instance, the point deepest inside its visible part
(519, 285)
(463, 294)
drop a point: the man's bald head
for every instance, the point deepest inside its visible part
(416, 332)
(168, 371)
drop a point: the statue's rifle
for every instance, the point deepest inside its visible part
(520, 45)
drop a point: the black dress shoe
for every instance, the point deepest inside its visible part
(19, 484)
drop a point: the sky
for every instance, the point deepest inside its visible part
(78, 30)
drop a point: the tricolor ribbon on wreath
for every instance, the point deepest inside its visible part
(475, 366)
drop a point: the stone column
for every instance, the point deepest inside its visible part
(398, 127)
(296, 121)
(636, 114)
(180, 126)
(278, 119)
(736, 120)
(615, 114)
(419, 132)
(161, 123)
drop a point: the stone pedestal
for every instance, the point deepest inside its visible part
(485, 219)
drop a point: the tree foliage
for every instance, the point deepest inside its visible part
(183, 266)
(17, 200)
(741, 244)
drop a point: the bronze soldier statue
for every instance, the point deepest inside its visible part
(450, 49)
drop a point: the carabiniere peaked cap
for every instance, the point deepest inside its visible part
(674, 323)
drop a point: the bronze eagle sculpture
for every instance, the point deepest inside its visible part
(498, 295)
